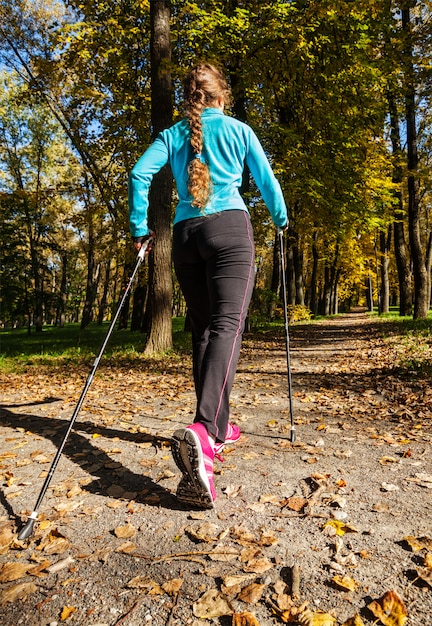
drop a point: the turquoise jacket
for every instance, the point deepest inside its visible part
(228, 145)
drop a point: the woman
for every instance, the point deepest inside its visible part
(213, 255)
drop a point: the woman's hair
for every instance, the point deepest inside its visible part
(203, 86)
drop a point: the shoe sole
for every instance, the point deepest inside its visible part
(193, 489)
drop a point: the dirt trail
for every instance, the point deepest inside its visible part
(361, 467)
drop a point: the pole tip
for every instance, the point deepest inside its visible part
(293, 435)
(27, 531)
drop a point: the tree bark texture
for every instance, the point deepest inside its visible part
(159, 302)
(385, 241)
(421, 300)
(400, 245)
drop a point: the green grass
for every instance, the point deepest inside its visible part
(411, 339)
(56, 346)
(71, 346)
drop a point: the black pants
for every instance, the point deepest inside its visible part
(214, 259)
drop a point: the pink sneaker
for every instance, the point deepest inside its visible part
(232, 436)
(194, 456)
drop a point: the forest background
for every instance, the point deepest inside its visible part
(338, 92)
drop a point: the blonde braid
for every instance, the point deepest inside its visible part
(203, 86)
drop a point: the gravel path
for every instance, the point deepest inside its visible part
(315, 527)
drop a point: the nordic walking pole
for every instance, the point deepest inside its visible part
(287, 342)
(27, 531)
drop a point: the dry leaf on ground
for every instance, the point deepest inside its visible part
(17, 592)
(125, 532)
(389, 609)
(309, 618)
(345, 582)
(67, 612)
(207, 531)
(172, 586)
(12, 571)
(418, 543)
(354, 621)
(224, 553)
(244, 619)
(252, 593)
(425, 575)
(211, 604)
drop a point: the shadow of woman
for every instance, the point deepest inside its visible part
(111, 479)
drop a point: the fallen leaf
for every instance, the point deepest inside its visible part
(141, 582)
(224, 553)
(40, 458)
(257, 566)
(101, 555)
(232, 490)
(341, 483)
(6, 536)
(242, 536)
(234, 580)
(336, 527)
(17, 592)
(172, 586)
(345, 582)
(425, 575)
(389, 609)
(74, 491)
(67, 612)
(269, 498)
(40, 569)
(308, 618)
(284, 603)
(252, 593)
(67, 507)
(244, 619)
(211, 604)
(389, 487)
(54, 543)
(428, 560)
(208, 532)
(125, 532)
(295, 503)
(388, 460)
(12, 571)
(267, 538)
(127, 548)
(418, 543)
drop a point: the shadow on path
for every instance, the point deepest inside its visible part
(92, 459)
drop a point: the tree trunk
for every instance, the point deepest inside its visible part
(313, 305)
(298, 272)
(63, 291)
(385, 241)
(92, 278)
(421, 299)
(104, 299)
(159, 302)
(326, 303)
(429, 267)
(290, 269)
(400, 246)
(335, 293)
(369, 294)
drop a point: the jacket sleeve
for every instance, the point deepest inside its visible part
(140, 178)
(266, 181)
